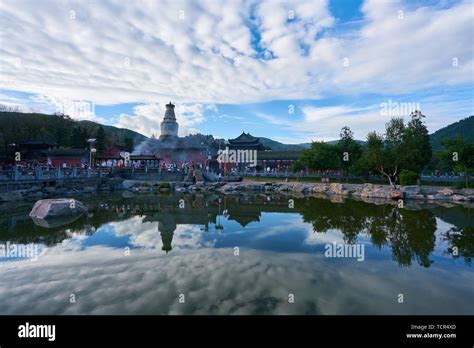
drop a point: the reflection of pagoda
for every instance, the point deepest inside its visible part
(167, 226)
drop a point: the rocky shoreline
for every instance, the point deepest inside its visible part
(369, 191)
(334, 191)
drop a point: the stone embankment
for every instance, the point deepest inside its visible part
(369, 191)
(32, 191)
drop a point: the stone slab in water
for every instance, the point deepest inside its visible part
(57, 207)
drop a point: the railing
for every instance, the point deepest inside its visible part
(41, 173)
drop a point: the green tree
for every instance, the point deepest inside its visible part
(385, 153)
(128, 144)
(417, 151)
(349, 150)
(100, 136)
(460, 154)
(320, 156)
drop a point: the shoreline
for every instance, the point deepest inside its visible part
(367, 191)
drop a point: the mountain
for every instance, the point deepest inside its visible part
(277, 146)
(116, 135)
(17, 127)
(465, 128)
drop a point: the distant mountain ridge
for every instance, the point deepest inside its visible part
(117, 134)
(464, 128)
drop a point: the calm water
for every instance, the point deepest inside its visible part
(239, 255)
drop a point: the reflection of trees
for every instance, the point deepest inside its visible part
(461, 238)
(410, 234)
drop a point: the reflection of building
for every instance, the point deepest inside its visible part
(166, 226)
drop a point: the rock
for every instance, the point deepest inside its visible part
(458, 198)
(298, 188)
(10, 196)
(58, 207)
(446, 192)
(467, 192)
(437, 197)
(320, 188)
(198, 176)
(126, 184)
(337, 188)
(396, 194)
(417, 196)
(411, 190)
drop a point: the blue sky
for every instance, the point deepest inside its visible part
(293, 71)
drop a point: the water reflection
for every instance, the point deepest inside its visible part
(409, 234)
(185, 244)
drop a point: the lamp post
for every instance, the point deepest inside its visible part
(91, 141)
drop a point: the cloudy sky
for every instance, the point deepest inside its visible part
(294, 71)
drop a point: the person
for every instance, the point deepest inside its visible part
(64, 165)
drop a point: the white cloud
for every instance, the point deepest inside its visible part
(146, 118)
(105, 281)
(113, 52)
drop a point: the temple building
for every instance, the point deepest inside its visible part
(169, 126)
(171, 148)
(245, 141)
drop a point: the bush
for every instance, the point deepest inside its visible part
(408, 177)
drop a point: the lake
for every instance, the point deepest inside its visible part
(245, 254)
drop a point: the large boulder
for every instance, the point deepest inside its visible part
(46, 209)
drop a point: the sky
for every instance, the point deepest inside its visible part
(293, 71)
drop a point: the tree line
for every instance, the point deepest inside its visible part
(400, 153)
(62, 130)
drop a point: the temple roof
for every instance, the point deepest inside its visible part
(244, 138)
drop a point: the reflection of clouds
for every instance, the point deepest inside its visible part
(105, 281)
(146, 234)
